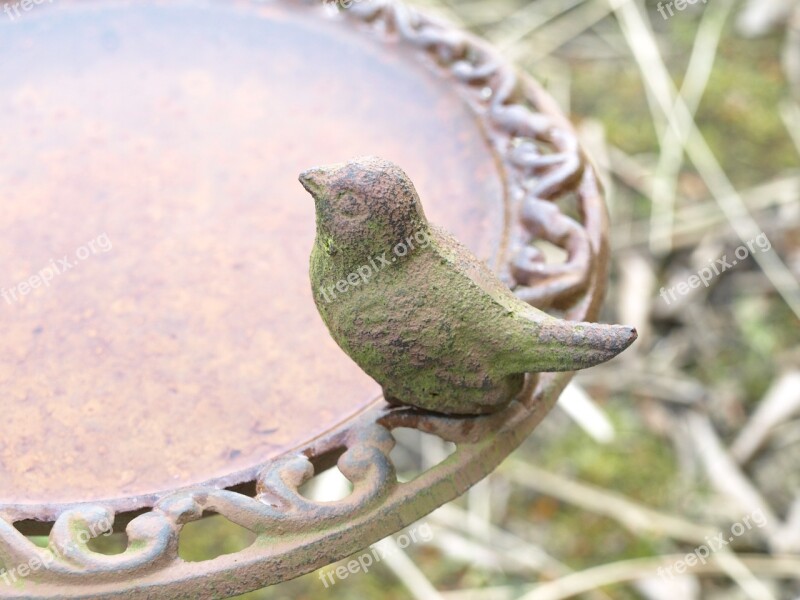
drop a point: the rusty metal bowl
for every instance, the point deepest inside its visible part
(162, 355)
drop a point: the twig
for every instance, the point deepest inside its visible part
(662, 89)
(580, 407)
(479, 509)
(630, 570)
(519, 550)
(668, 386)
(790, 113)
(637, 518)
(527, 20)
(724, 473)
(408, 573)
(635, 296)
(694, 84)
(698, 219)
(554, 35)
(780, 403)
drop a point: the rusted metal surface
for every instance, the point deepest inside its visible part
(199, 317)
(189, 357)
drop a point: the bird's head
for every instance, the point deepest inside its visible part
(365, 205)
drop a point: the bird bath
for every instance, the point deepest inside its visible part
(162, 355)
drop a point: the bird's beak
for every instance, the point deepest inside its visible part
(314, 181)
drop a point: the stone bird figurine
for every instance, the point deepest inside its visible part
(418, 311)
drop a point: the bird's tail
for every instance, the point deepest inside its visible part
(568, 345)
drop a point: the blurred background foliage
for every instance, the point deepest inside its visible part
(698, 424)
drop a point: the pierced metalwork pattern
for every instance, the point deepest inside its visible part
(543, 164)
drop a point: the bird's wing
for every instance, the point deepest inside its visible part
(521, 337)
(467, 265)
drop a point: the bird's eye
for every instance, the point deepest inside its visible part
(349, 205)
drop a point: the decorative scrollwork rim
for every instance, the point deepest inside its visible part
(542, 162)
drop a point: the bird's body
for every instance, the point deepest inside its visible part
(418, 311)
